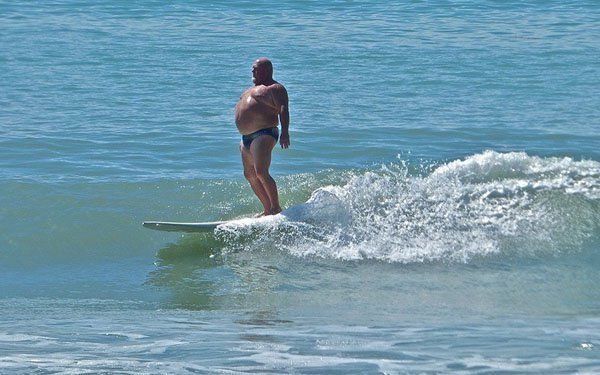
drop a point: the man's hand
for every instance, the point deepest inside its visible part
(284, 141)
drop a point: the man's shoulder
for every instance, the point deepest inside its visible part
(247, 91)
(277, 87)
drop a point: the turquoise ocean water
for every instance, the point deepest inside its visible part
(445, 157)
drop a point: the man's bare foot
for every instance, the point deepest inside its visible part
(275, 211)
(261, 214)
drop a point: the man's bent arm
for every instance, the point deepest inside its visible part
(284, 118)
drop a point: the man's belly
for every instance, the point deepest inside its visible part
(248, 120)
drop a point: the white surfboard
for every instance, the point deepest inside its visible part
(207, 227)
(323, 207)
(169, 226)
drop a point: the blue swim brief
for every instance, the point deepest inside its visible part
(247, 139)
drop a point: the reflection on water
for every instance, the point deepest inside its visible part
(269, 286)
(199, 275)
(179, 266)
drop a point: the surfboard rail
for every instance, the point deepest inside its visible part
(170, 226)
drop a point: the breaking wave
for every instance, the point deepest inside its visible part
(489, 203)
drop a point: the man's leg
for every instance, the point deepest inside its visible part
(257, 186)
(261, 149)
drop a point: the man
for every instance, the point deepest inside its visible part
(257, 115)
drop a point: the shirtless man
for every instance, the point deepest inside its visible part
(260, 109)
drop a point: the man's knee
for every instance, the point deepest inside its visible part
(249, 174)
(262, 173)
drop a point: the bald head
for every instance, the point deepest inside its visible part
(262, 71)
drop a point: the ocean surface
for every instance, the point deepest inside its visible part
(444, 179)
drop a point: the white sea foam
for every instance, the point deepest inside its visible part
(488, 203)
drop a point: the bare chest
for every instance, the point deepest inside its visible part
(257, 96)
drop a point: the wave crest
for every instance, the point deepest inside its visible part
(489, 203)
